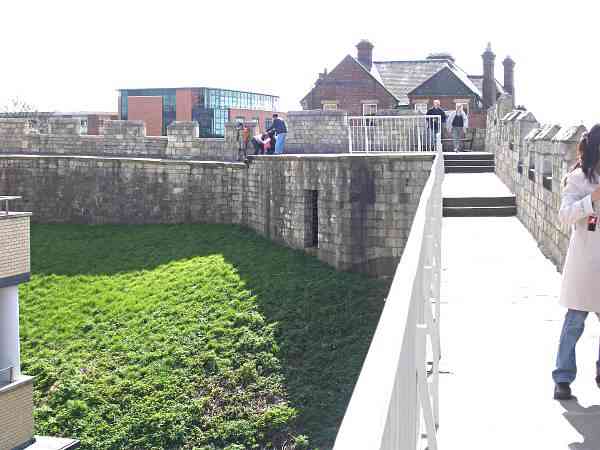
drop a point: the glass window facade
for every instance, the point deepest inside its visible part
(210, 107)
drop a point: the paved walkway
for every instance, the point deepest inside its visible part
(474, 185)
(500, 326)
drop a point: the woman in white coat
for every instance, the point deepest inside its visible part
(580, 290)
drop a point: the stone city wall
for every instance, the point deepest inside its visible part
(351, 211)
(532, 160)
(317, 131)
(118, 138)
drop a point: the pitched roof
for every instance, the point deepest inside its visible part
(478, 81)
(403, 77)
(372, 73)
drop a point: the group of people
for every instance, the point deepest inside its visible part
(456, 122)
(272, 141)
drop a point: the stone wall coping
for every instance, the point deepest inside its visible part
(13, 215)
(21, 381)
(316, 112)
(532, 134)
(569, 134)
(406, 156)
(116, 158)
(526, 116)
(119, 122)
(547, 132)
(22, 120)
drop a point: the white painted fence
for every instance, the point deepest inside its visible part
(395, 403)
(393, 133)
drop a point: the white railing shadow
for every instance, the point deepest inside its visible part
(395, 403)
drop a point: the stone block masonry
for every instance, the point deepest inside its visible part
(16, 413)
(351, 211)
(14, 242)
(532, 160)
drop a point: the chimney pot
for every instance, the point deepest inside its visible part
(509, 76)
(489, 79)
(365, 53)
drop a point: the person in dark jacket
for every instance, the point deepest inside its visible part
(433, 125)
(458, 122)
(280, 129)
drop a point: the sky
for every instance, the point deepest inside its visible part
(64, 55)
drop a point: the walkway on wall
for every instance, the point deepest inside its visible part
(500, 323)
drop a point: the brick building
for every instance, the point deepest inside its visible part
(362, 86)
(211, 108)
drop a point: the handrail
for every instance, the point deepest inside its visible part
(368, 134)
(394, 388)
(6, 199)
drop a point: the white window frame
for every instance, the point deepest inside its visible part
(329, 106)
(465, 102)
(421, 107)
(369, 109)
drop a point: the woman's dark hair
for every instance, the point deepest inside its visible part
(588, 153)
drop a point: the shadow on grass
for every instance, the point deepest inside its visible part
(325, 318)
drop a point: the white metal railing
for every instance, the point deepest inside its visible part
(395, 403)
(393, 133)
(6, 199)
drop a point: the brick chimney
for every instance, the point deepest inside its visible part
(365, 53)
(509, 76)
(489, 80)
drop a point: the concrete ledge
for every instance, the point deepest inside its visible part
(407, 156)
(23, 380)
(13, 215)
(50, 443)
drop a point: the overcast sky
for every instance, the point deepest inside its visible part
(64, 55)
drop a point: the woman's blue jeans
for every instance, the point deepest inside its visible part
(566, 363)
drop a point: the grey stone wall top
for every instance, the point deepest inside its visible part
(532, 134)
(405, 156)
(569, 134)
(237, 165)
(526, 116)
(133, 128)
(547, 132)
(317, 112)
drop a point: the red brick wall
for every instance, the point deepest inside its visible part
(349, 84)
(183, 104)
(148, 109)
(477, 117)
(251, 114)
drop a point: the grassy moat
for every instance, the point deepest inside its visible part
(190, 337)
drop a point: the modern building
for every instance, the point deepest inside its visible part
(211, 108)
(362, 86)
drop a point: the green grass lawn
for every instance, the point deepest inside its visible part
(190, 336)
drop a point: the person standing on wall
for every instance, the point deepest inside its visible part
(457, 122)
(433, 125)
(580, 288)
(280, 129)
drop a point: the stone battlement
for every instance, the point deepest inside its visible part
(532, 160)
(124, 138)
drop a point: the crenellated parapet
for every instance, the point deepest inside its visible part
(532, 160)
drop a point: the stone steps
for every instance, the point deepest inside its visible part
(466, 202)
(469, 162)
(469, 169)
(480, 211)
